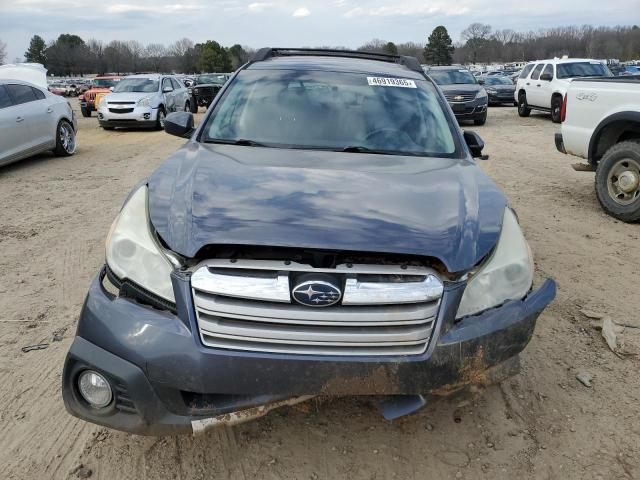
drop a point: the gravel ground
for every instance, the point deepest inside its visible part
(542, 423)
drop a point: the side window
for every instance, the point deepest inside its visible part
(21, 94)
(548, 70)
(166, 83)
(5, 99)
(536, 71)
(526, 70)
(38, 93)
(176, 84)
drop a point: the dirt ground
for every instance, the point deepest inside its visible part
(542, 423)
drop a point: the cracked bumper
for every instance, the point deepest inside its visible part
(164, 378)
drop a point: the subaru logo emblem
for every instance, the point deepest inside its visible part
(316, 293)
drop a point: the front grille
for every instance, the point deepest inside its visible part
(247, 305)
(460, 97)
(121, 110)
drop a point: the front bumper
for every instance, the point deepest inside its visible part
(164, 378)
(496, 98)
(472, 110)
(138, 117)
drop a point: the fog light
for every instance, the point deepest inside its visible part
(147, 116)
(95, 389)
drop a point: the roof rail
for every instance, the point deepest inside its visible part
(264, 53)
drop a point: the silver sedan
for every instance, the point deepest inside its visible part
(32, 121)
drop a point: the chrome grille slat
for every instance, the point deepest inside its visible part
(466, 96)
(244, 308)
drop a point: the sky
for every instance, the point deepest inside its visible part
(290, 23)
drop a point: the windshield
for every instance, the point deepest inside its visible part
(137, 85)
(452, 77)
(582, 69)
(217, 79)
(104, 82)
(332, 111)
(497, 81)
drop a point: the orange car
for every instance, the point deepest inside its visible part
(100, 86)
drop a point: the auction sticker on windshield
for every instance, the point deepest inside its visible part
(391, 82)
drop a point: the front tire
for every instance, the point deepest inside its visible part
(160, 118)
(481, 120)
(523, 107)
(618, 181)
(65, 139)
(556, 108)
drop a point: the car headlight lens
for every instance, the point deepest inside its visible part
(507, 275)
(482, 93)
(144, 102)
(132, 251)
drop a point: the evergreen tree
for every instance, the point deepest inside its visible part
(439, 49)
(36, 51)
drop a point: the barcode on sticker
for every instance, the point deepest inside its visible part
(391, 82)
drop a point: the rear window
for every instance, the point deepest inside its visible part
(536, 72)
(5, 100)
(526, 70)
(333, 111)
(21, 94)
(582, 69)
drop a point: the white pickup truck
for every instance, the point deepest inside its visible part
(601, 123)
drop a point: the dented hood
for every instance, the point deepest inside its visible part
(235, 195)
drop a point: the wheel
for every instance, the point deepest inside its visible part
(194, 106)
(480, 121)
(65, 139)
(85, 112)
(556, 108)
(160, 119)
(618, 181)
(523, 107)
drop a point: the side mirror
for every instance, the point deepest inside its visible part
(179, 124)
(475, 144)
(547, 77)
(167, 90)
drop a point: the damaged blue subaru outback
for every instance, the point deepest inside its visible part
(325, 230)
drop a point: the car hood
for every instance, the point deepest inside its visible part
(501, 88)
(232, 195)
(207, 85)
(129, 96)
(460, 88)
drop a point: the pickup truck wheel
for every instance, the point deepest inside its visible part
(65, 139)
(556, 107)
(85, 112)
(187, 106)
(618, 181)
(523, 107)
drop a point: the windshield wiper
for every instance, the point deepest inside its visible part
(241, 141)
(361, 149)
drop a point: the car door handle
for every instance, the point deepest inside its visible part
(538, 85)
(49, 110)
(19, 119)
(528, 83)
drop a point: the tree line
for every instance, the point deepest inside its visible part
(70, 55)
(480, 43)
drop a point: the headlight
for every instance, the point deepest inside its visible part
(482, 93)
(190, 90)
(145, 102)
(132, 251)
(507, 275)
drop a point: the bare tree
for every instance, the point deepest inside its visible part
(3, 51)
(155, 53)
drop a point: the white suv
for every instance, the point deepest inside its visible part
(543, 83)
